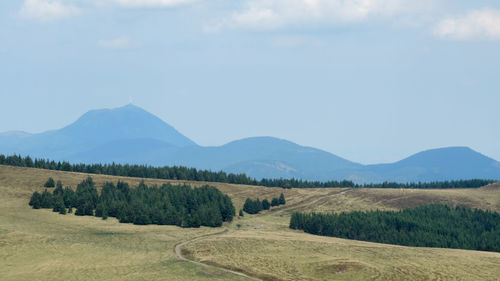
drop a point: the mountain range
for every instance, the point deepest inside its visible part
(132, 135)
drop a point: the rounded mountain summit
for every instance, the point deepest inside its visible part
(127, 122)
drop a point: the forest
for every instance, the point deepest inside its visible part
(424, 226)
(255, 206)
(178, 205)
(184, 173)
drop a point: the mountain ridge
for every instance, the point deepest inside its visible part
(129, 134)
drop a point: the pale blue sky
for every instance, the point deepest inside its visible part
(369, 80)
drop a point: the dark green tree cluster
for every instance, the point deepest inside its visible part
(166, 205)
(255, 206)
(252, 206)
(57, 200)
(50, 183)
(183, 173)
(425, 226)
(474, 183)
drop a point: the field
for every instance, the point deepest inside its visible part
(42, 245)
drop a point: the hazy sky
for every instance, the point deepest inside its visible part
(369, 80)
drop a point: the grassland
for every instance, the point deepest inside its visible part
(42, 245)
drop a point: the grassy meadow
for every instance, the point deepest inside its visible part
(43, 245)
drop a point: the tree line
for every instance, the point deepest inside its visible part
(425, 226)
(169, 204)
(472, 183)
(184, 173)
(255, 206)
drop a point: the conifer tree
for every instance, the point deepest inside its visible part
(58, 191)
(50, 183)
(282, 200)
(46, 201)
(69, 198)
(265, 204)
(275, 202)
(59, 205)
(100, 210)
(62, 210)
(35, 200)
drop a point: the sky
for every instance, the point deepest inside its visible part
(372, 81)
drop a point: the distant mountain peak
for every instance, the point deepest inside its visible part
(457, 153)
(125, 108)
(129, 106)
(125, 122)
(260, 140)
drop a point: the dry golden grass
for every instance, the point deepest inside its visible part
(289, 255)
(42, 245)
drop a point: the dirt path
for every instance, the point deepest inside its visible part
(178, 253)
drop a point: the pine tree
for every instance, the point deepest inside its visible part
(282, 199)
(100, 210)
(58, 191)
(69, 197)
(34, 197)
(195, 221)
(46, 201)
(50, 183)
(275, 202)
(37, 204)
(241, 213)
(265, 204)
(35, 200)
(142, 219)
(59, 205)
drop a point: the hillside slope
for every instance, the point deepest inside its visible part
(43, 245)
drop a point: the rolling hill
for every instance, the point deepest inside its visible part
(44, 245)
(132, 135)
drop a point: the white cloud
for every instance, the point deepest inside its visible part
(269, 14)
(47, 10)
(150, 3)
(116, 43)
(52, 10)
(478, 24)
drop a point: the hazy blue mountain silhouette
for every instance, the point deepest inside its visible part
(93, 129)
(132, 135)
(265, 157)
(439, 164)
(258, 157)
(128, 122)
